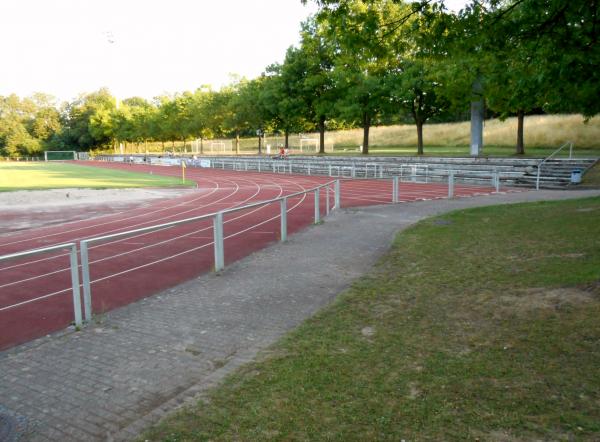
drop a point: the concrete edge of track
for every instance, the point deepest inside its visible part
(314, 266)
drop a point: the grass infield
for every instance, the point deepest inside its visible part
(477, 325)
(41, 175)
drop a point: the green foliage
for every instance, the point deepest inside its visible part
(87, 122)
(20, 121)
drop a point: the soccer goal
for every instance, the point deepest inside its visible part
(309, 145)
(60, 155)
(221, 146)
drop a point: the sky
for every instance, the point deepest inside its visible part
(142, 47)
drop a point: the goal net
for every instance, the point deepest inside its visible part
(60, 155)
(220, 146)
(309, 145)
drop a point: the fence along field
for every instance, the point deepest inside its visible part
(541, 131)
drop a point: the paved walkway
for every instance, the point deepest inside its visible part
(127, 369)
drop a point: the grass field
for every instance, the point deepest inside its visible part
(41, 175)
(477, 325)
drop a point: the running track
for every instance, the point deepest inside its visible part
(35, 294)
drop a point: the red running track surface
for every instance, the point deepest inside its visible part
(35, 293)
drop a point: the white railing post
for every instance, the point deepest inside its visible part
(259, 165)
(336, 197)
(570, 150)
(451, 184)
(317, 212)
(395, 190)
(497, 181)
(218, 242)
(327, 199)
(290, 167)
(330, 170)
(308, 169)
(283, 203)
(75, 285)
(85, 274)
(537, 180)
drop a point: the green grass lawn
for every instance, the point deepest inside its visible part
(592, 177)
(481, 324)
(41, 175)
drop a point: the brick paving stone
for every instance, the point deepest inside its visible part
(133, 365)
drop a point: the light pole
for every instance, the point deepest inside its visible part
(110, 38)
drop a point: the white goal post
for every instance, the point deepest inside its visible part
(309, 145)
(220, 146)
(60, 155)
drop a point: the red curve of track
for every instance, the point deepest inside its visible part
(35, 294)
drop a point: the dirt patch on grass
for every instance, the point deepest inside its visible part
(526, 301)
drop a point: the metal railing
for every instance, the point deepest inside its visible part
(549, 157)
(377, 169)
(74, 275)
(218, 238)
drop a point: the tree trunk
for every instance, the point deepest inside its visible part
(366, 127)
(322, 134)
(237, 142)
(419, 137)
(520, 140)
(287, 139)
(260, 144)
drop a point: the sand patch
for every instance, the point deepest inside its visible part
(27, 209)
(33, 199)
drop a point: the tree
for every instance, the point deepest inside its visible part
(203, 120)
(313, 65)
(16, 116)
(560, 39)
(245, 111)
(366, 55)
(87, 122)
(416, 89)
(139, 119)
(283, 95)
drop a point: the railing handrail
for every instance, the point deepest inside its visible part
(74, 266)
(200, 217)
(549, 157)
(36, 251)
(217, 218)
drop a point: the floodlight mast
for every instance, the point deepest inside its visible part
(111, 40)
